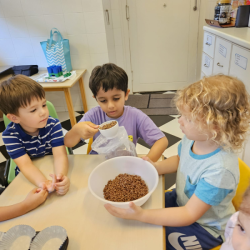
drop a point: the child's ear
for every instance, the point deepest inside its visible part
(13, 118)
(126, 96)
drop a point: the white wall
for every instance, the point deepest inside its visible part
(24, 23)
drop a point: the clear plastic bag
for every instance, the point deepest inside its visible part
(120, 145)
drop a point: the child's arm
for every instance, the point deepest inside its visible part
(34, 199)
(167, 166)
(172, 217)
(157, 149)
(32, 173)
(61, 166)
(84, 130)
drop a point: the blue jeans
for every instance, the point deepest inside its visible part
(189, 237)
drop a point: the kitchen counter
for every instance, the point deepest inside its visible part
(240, 36)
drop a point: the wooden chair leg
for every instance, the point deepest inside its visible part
(82, 90)
(70, 107)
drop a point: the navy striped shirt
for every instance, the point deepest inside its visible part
(18, 143)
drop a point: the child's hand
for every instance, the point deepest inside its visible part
(35, 197)
(131, 213)
(145, 158)
(62, 184)
(49, 185)
(87, 130)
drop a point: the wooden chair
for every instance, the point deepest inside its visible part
(89, 145)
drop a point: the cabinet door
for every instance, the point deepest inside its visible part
(209, 44)
(207, 64)
(240, 65)
(162, 46)
(222, 56)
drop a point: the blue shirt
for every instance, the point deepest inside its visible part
(213, 178)
(18, 143)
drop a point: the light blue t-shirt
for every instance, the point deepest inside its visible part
(213, 178)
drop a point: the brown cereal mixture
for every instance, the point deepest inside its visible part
(109, 125)
(125, 187)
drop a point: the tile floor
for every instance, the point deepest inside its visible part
(167, 123)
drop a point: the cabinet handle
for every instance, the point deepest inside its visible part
(219, 65)
(195, 6)
(127, 12)
(208, 44)
(107, 15)
(206, 65)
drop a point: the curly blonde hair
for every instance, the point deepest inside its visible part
(222, 104)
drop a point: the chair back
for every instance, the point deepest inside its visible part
(89, 145)
(6, 120)
(244, 182)
(52, 110)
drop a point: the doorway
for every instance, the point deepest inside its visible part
(162, 38)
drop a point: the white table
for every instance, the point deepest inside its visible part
(88, 224)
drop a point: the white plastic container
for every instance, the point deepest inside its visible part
(109, 169)
(111, 132)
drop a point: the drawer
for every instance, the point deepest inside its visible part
(209, 44)
(222, 56)
(240, 65)
(207, 64)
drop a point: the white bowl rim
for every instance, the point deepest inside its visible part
(126, 202)
(104, 123)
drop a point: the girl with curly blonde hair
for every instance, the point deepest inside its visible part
(215, 120)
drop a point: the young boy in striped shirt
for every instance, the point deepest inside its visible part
(33, 133)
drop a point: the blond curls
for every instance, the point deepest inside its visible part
(223, 105)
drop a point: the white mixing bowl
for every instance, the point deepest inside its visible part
(111, 168)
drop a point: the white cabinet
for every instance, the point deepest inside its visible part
(222, 56)
(208, 44)
(207, 64)
(227, 51)
(240, 65)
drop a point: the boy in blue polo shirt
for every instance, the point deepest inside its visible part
(33, 133)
